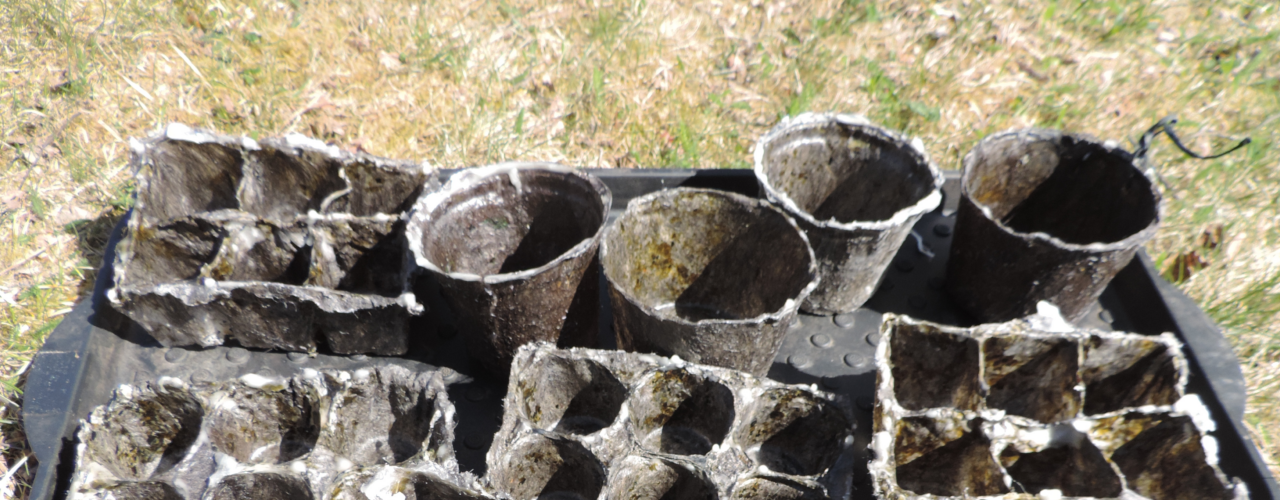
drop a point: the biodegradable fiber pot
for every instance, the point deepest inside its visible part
(509, 245)
(856, 189)
(1046, 215)
(713, 277)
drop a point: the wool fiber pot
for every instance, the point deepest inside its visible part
(510, 245)
(1046, 215)
(710, 276)
(855, 188)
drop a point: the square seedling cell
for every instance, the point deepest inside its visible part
(1060, 413)
(265, 437)
(948, 456)
(934, 367)
(1032, 377)
(665, 428)
(1129, 372)
(1068, 461)
(235, 239)
(260, 250)
(573, 396)
(175, 250)
(185, 174)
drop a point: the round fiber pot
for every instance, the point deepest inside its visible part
(713, 277)
(510, 245)
(856, 190)
(1046, 215)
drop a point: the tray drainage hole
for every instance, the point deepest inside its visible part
(679, 412)
(252, 486)
(571, 396)
(793, 432)
(539, 466)
(645, 478)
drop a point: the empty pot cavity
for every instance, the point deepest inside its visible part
(185, 178)
(932, 368)
(575, 396)
(282, 182)
(509, 245)
(700, 254)
(1047, 216)
(648, 478)
(258, 426)
(358, 256)
(1126, 373)
(497, 226)
(259, 485)
(144, 432)
(679, 412)
(916, 436)
(542, 466)
(1033, 378)
(259, 250)
(1168, 461)
(962, 466)
(377, 188)
(793, 432)
(383, 416)
(845, 171)
(171, 251)
(712, 277)
(855, 188)
(1067, 187)
(774, 488)
(1070, 463)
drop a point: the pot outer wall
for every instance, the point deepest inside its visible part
(498, 318)
(746, 346)
(997, 276)
(851, 263)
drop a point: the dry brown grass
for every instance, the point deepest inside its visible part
(636, 84)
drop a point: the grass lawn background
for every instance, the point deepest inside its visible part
(634, 84)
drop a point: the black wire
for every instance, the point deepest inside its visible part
(1166, 125)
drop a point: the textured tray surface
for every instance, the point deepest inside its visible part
(95, 350)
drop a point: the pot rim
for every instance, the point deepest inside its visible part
(1042, 134)
(912, 145)
(467, 179)
(790, 307)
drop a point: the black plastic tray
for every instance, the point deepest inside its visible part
(95, 349)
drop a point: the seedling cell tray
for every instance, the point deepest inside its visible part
(95, 349)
